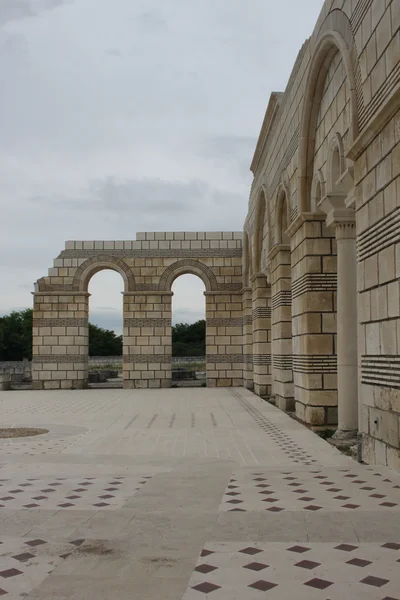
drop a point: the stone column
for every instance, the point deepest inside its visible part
(147, 339)
(247, 338)
(224, 339)
(347, 328)
(60, 340)
(261, 300)
(282, 368)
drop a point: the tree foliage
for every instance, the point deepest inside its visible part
(189, 340)
(16, 338)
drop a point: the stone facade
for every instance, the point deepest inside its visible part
(323, 228)
(304, 307)
(148, 267)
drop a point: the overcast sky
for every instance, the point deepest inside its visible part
(118, 116)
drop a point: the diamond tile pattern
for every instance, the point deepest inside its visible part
(92, 494)
(311, 490)
(278, 574)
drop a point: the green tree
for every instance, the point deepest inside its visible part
(16, 338)
(189, 340)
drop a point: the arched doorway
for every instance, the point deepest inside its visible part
(189, 332)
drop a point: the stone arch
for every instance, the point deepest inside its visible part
(335, 35)
(336, 161)
(317, 191)
(282, 208)
(183, 267)
(261, 219)
(98, 263)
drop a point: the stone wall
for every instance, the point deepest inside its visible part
(149, 265)
(323, 228)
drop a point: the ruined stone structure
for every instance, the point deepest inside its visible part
(308, 311)
(148, 267)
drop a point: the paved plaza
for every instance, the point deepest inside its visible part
(189, 494)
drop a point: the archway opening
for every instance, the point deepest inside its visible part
(105, 330)
(188, 332)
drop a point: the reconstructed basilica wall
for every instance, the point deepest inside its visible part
(304, 306)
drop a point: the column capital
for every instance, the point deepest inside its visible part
(346, 230)
(337, 213)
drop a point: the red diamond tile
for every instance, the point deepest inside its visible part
(206, 587)
(233, 494)
(259, 479)
(24, 556)
(306, 499)
(205, 568)
(16, 491)
(391, 546)
(36, 542)
(206, 552)
(307, 564)
(77, 542)
(377, 496)
(250, 550)
(389, 504)
(312, 507)
(358, 562)
(65, 504)
(2, 592)
(266, 492)
(346, 547)
(255, 566)
(30, 505)
(65, 555)
(371, 580)
(262, 586)
(39, 497)
(367, 488)
(341, 497)
(106, 496)
(319, 584)
(10, 573)
(73, 497)
(47, 490)
(101, 504)
(298, 549)
(235, 501)
(263, 485)
(270, 500)
(232, 487)
(275, 509)
(80, 490)
(352, 506)
(334, 490)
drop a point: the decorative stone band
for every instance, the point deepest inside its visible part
(147, 322)
(382, 371)
(146, 358)
(60, 358)
(234, 322)
(59, 322)
(282, 298)
(314, 364)
(261, 359)
(248, 359)
(283, 362)
(381, 235)
(224, 358)
(248, 320)
(314, 282)
(261, 313)
(155, 287)
(155, 253)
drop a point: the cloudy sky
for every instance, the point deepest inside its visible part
(118, 116)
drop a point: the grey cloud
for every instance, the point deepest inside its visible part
(107, 319)
(152, 22)
(187, 315)
(13, 10)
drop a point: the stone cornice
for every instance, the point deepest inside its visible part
(276, 249)
(271, 112)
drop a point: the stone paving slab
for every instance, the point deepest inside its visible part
(130, 491)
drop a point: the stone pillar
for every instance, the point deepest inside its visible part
(147, 339)
(224, 339)
(282, 370)
(261, 301)
(247, 304)
(314, 282)
(347, 327)
(60, 340)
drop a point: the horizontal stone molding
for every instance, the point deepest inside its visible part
(155, 253)
(283, 362)
(228, 322)
(224, 358)
(381, 235)
(147, 322)
(382, 371)
(59, 322)
(314, 363)
(60, 358)
(261, 313)
(261, 359)
(314, 282)
(248, 320)
(146, 358)
(282, 298)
